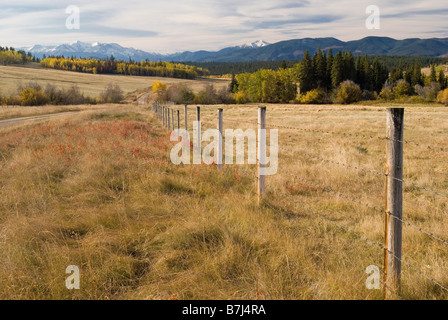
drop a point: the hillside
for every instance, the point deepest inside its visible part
(90, 84)
(257, 51)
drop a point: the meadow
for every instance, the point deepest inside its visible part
(98, 190)
(89, 84)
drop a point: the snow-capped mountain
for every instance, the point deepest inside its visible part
(99, 50)
(92, 50)
(256, 51)
(256, 44)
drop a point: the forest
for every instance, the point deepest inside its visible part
(10, 56)
(131, 68)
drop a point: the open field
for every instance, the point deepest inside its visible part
(98, 190)
(90, 84)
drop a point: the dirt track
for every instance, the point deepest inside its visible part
(18, 121)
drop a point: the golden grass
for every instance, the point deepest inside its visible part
(97, 190)
(90, 84)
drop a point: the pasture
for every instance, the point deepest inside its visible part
(90, 84)
(98, 190)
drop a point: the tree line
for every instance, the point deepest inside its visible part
(11, 56)
(112, 66)
(229, 68)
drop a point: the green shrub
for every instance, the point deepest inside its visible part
(402, 89)
(348, 92)
(387, 94)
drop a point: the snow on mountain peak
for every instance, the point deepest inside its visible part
(256, 44)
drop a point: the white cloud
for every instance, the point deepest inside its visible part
(178, 25)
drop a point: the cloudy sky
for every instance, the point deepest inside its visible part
(168, 26)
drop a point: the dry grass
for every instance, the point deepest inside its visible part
(89, 84)
(10, 112)
(97, 190)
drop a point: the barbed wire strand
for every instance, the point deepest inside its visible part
(332, 191)
(356, 266)
(346, 165)
(325, 246)
(366, 205)
(367, 240)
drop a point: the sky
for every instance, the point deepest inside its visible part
(168, 26)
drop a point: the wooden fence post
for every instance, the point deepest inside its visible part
(219, 154)
(168, 118)
(164, 116)
(172, 119)
(394, 201)
(186, 118)
(198, 119)
(261, 159)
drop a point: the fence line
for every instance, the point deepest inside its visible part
(394, 220)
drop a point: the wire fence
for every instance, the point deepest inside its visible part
(276, 193)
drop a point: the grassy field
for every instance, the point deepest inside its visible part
(90, 84)
(98, 190)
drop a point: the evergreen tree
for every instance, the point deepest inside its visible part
(320, 69)
(337, 70)
(306, 74)
(350, 65)
(442, 80)
(330, 59)
(283, 65)
(233, 87)
(433, 75)
(416, 77)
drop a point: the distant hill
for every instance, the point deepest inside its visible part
(256, 51)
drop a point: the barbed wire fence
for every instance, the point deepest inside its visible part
(393, 210)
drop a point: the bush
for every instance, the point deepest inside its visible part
(442, 97)
(387, 94)
(428, 93)
(54, 95)
(179, 94)
(369, 95)
(240, 97)
(73, 96)
(225, 96)
(33, 97)
(159, 88)
(348, 92)
(402, 89)
(112, 94)
(315, 96)
(207, 96)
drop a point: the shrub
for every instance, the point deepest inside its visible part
(54, 95)
(207, 96)
(33, 97)
(179, 94)
(387, 94)
(315, 96)
(73, 96)
(159, 88)
(240, 97)
(112, 94)
(428, 93)
(348, 92)
(442, 97)
(402, 89)
(369, 95)
(224, 96)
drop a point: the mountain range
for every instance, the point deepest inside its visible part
(256, 51)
